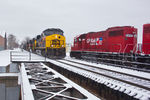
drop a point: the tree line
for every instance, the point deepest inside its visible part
(12, 41)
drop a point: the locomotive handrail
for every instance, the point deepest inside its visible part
(126, 47)
(120, 47)
(135, 48)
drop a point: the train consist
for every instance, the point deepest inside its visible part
(51, 43)
(115, 45)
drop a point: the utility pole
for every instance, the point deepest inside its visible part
(5, 43)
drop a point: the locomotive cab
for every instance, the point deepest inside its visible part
(51, 43)
(78, 47)
(122, 39)
(54, 43)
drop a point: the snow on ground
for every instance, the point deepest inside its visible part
(5, 60)
(67, 55)
(119, 69)
(117, 85)
(5, 57)
(130, 90)
(25, 85)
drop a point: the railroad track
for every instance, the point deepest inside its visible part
(136, 82)
(123, 77)
(122, 64)
(110, 70)
(143, 69)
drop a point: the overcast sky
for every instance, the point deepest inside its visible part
(30, 17)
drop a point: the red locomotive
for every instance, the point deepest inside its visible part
(113, 45)
(113, 40)
(146, 39)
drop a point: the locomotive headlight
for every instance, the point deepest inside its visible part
(62, 45)
(51, 45)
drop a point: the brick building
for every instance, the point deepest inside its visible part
(2, 45)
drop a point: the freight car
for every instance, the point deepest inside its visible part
(51, 43)
(116, 45)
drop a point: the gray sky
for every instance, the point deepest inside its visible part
(30, 17)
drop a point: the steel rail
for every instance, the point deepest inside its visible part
(108, 70)
(125, 81)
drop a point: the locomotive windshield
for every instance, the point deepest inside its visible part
(146, 29)
(52, 31)
(116, 33)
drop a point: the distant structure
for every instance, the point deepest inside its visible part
(5, 44)
(68, 47)
(2, 41)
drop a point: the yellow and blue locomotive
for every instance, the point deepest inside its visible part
(51, 43)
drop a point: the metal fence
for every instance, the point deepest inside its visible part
(21, 56)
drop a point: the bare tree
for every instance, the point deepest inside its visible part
(27, 39)
(12, 42)
(24, 42)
